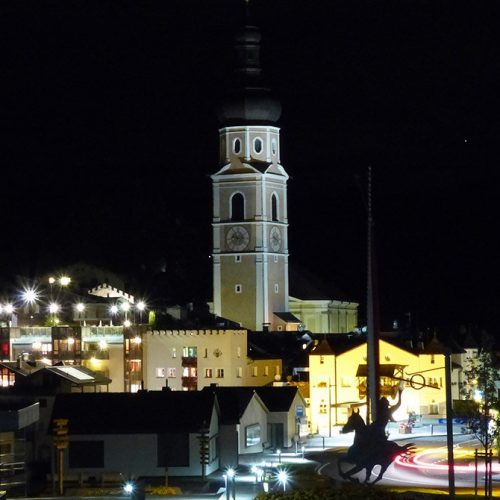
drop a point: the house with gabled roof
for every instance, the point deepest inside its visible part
(286, 420)
(139, 434)
(243, 422)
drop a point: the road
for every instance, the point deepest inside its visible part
(427, 468)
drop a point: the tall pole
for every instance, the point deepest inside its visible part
(373, 385)
(449, 426)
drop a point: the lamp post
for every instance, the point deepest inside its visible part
(141, 306)
(283, 478)
(231, 476)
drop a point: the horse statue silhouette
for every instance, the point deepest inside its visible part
(369, 449)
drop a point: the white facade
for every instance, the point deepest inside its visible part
(203, 357)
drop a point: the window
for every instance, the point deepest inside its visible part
(322, 407)
(237, 146)
(220, 372)
(160, 372)
(255, 371)
(205, 352)
(433, 359)
(275, 258)
(171, 373)
(266, 370)
(208, 373)
(252, 435)
(276, 288)
(238, 352)
(237, 258)
(273, 147)
(274, 207)
(237, 207)
(239, 372)
(237, 288)
(257, 145)
(174, 352)
(321, 360)
(189, 352)
(276, 370)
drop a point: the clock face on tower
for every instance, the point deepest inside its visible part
(237, 238)
(275, 238)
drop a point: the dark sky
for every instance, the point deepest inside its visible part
(109, 136)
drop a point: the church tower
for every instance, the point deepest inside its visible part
(250, 243)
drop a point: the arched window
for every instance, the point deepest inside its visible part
(237, 146)
(274, 207)
(237, 207)
(257, 145)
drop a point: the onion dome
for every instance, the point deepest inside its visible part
(248, 101)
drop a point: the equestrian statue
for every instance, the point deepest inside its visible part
(371, 446)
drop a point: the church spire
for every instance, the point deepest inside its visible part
(249, 100)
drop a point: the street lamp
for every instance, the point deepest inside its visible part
(283, 478)
(54, 309)
(128, 488)
(141, 306)
(231, 475)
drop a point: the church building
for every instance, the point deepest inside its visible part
(250, 219)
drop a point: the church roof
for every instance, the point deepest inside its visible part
(287, 317)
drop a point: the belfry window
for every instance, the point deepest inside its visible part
(237, 146)
(274, 207)
(257, 145)
(237, 207)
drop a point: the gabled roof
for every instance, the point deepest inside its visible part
(277, 398)
(79, 375)
(135, 413)
(233, 402)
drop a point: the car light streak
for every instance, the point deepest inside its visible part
(417, 461)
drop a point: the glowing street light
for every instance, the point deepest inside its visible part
(127, 323)
(30, 296)
(54, 307)
(141, 306)
(283, 478)
(80, 307)
(113, 309)
(128, 488)
(8, 308)
(231, 475)
(64, 280)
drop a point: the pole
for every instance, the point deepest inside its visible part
(475, 472)
(449, 426)
(373, 386)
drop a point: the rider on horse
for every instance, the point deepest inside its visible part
(376, 437)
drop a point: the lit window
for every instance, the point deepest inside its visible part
(160, 373)
(237, 288)
(252, 435)
(322, 407)
(171, 373)
(276, 370)
(174, 352)
(237, 146)
(220, 372)
(208, 373)
(255, 371)
(257, 145)
(266, 370)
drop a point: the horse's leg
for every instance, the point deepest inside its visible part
(369, 469)
(350, 472)
(383, 468)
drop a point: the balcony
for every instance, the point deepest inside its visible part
(189, 361)
(190, 382)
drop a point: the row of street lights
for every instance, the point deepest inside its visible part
(31, 297)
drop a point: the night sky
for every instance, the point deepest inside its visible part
(109, 136)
